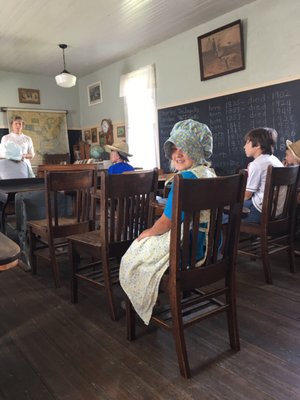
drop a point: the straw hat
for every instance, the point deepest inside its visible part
(119, 146)
(294, 148)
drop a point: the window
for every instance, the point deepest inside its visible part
(138, 90)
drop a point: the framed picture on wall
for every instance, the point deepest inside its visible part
(221, 51)
(95, 93)
(87, 135)
(29, 96)
(121, 131)
(94, 135)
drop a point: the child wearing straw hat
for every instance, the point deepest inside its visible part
(292, 157)
(292, 153)
(119, 154)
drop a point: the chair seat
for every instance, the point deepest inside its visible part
(43, 223)
(91, 238)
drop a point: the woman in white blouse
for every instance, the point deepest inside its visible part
(17, 136)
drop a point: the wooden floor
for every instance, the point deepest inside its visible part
(52, 349)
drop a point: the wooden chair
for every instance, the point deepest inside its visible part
(57, 158)
(274, 233)
(47, 236)
(194, 292)
(124, 213)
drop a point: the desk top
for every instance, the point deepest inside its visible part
(9, 250)
(9, 186)
(165, 177)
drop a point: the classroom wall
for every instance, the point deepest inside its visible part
(51, 95)
(272, 40)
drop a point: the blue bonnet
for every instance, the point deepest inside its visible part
(191, 137)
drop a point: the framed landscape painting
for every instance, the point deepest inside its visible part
(95, 93)
(121, 131)
(221, 51)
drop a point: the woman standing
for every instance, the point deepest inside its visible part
(25, 142)
(189, 147)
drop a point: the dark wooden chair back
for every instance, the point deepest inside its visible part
(56, 158)
(280, 182)
(188, 284)
(69, 167)
(276, 229)
(125, 207)
(124, 213)
(79, 218)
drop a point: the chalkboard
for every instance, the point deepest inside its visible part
(230, 117)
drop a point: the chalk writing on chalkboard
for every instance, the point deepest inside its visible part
(230, 117)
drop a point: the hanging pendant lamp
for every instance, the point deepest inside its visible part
(65, 79)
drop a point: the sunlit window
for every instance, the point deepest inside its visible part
(138, 90)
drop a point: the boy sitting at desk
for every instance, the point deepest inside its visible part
(259, 144)
(12, 164)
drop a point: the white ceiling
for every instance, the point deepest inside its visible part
(97, 32)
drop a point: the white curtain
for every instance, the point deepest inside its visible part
(138, 90)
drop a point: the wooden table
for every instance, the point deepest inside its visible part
(9, 188)
(9, 252)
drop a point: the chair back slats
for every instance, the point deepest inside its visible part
(212, 195)
(77, 185)
(127, 197)
(56, 158)
(280, 190)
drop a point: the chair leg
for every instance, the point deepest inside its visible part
(54, 263)
(74, 259)
(55, 270)
(292, 253)
(265, 259)
(32, 247)
(232, 322)
(109, 290)
(130, 320)
(178, 334)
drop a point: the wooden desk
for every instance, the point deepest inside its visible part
(162, 180)
(9, 188)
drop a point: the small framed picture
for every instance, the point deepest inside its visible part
(221, 51)
(95, 93)
(121, 131)
(87, 135)
(29, 96)
(94, 135)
